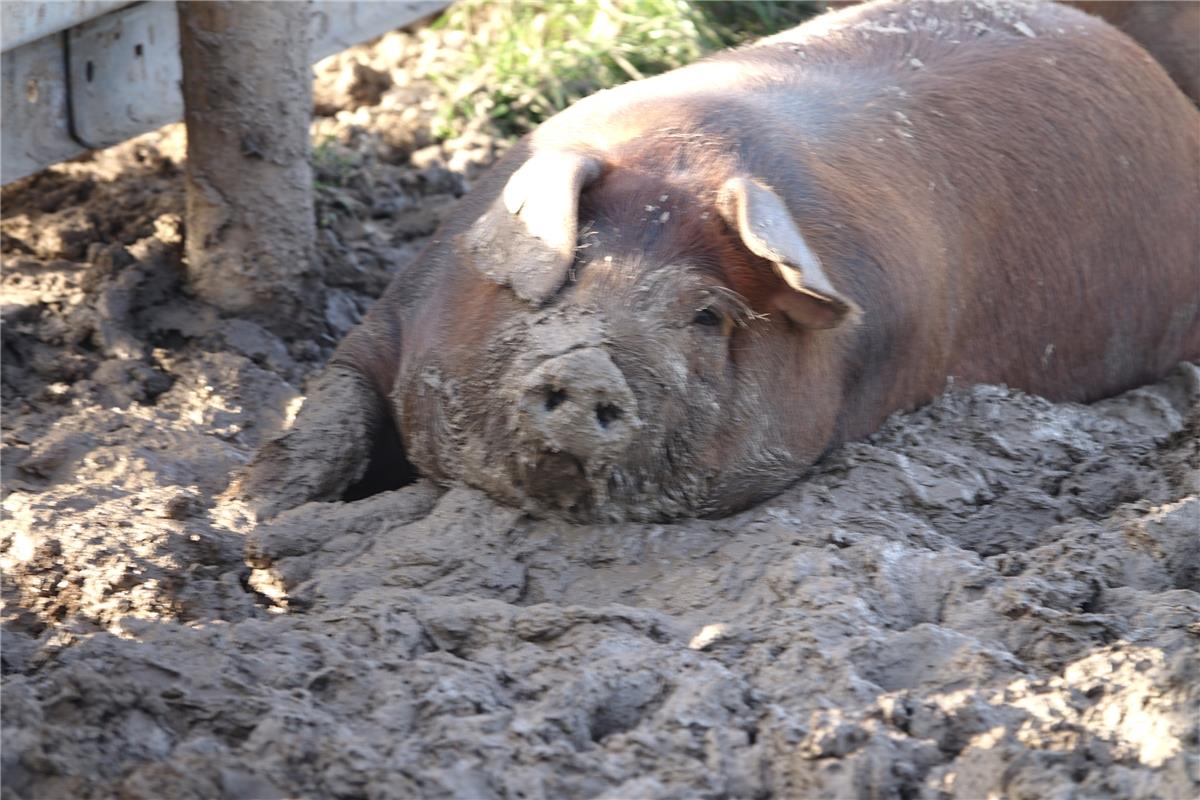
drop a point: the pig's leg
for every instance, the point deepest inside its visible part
(327, 450)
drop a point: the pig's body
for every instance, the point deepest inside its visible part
(777, 248)
(1168, 29)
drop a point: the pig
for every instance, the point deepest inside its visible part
(674, 297)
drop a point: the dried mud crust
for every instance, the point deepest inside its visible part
(995, 595)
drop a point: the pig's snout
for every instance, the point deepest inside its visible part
(579, 403)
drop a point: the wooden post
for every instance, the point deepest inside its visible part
(247, 93)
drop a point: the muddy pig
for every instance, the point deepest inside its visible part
(675, 296)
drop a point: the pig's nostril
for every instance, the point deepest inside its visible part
(555, 398)
(607, 413)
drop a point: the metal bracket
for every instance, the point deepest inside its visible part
(123, 74)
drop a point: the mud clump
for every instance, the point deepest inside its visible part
(994, 595)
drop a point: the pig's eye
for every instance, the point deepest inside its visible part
(707, 317)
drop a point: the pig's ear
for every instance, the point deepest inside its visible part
(527, 239)
(768, 230)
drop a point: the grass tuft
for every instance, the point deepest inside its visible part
(521, 62)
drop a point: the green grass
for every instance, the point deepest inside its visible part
(525, 60)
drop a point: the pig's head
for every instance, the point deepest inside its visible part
(624, 345)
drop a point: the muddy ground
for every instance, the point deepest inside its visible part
(996, 596)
